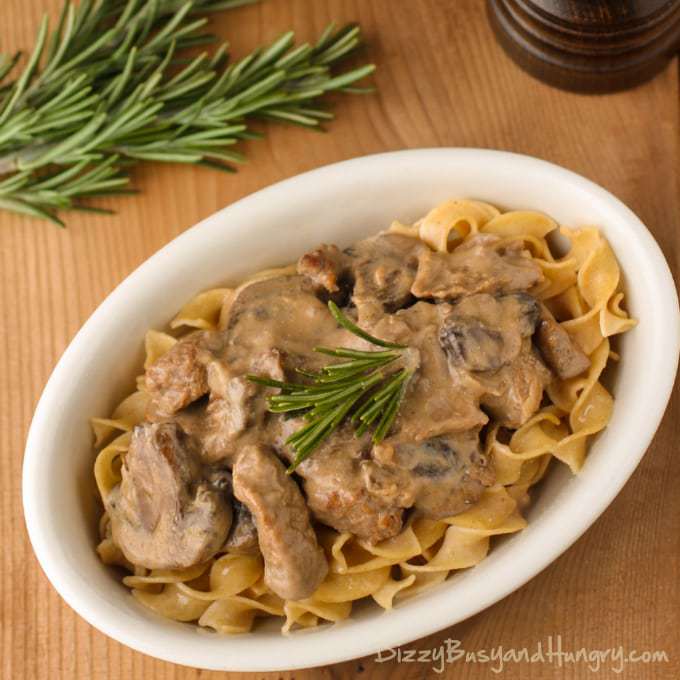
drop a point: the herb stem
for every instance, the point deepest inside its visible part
(112, 80)
(353, 328)
(337, 389)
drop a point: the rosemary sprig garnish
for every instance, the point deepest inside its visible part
(109, 87)
(357, 388)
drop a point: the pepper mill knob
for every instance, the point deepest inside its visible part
(588, 45)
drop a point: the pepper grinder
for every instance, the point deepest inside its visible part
(591, 46)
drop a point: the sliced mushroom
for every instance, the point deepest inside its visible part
(559, 349)
(169, 511)
(483, 332)
(242, 538)
(383, 269)
(446, 474)
(482, 264)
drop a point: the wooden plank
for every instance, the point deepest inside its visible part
(442, 81)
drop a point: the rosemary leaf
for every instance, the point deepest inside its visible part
(357, 389)
(110, 86)
(353, 328)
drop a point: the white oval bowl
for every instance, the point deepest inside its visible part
(338, 203)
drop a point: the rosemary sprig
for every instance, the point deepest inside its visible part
(357, 389)
(109, 87)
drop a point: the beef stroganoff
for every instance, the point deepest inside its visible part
(226, 502)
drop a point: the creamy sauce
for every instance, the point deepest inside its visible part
(469, 321)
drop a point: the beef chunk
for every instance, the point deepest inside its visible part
(438, 400)
(335, 486)
(169, 511)
(294, 564)
(514, 393)
(478, 265)
(559, 350)
(179, 377)
(324, 267)
(363, 489)
(232, 411)
(445, 475)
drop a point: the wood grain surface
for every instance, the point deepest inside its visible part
(442, 81)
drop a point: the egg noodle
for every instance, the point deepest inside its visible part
(227, 593)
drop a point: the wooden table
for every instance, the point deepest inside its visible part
(442, 81)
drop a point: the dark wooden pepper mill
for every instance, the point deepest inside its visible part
(588, 45)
